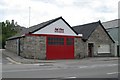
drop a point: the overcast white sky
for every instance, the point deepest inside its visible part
(75, 12)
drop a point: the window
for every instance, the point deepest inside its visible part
(104, 48)
(70, 41)
(55, 41)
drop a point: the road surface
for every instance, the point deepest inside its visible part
(63, 70)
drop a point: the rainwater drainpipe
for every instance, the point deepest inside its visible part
(119, 27)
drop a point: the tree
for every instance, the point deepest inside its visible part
(8, 30)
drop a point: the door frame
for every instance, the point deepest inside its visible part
(90, 48)
(118, 54)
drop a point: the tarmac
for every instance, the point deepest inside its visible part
(14, 58)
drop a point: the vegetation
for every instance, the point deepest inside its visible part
(7, 30)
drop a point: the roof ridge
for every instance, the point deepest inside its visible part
(86, 29)
(86, 24)
(46, 21)
(111, 20)
(35, 27)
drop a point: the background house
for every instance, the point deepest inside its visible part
(95, 41)
(112, 29)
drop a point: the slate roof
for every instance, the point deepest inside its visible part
(111, 24)
(37, 27)
(88, 29)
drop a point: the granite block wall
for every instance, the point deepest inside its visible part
(11, 45)
(33, 47)
(79, 48)
(99, 37)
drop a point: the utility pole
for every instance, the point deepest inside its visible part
(29, 14)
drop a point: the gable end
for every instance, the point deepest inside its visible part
(106, 32)
(70, 26)
(46, 24)
(51, 26)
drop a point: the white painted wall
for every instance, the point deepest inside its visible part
(50, 29)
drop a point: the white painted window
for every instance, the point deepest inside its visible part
(104, 48)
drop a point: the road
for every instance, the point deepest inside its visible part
(63, 69)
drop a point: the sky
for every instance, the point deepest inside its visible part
(75, 12)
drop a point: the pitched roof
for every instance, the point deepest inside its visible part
(37, 27)
(111, 24)
(88, 29)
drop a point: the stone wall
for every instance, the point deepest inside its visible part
(79, 48)
(98, 37)
(33, 47)
(11, 45)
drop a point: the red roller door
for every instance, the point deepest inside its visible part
(60, 47)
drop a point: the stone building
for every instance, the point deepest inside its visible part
(56, 39)
(112, 28)
(53, 39)
(95, 40)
